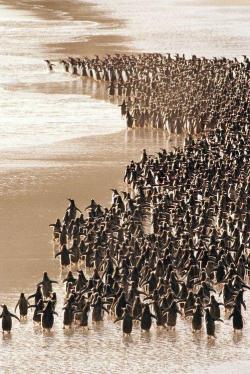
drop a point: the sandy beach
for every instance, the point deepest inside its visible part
(35, 182)
(35, 186)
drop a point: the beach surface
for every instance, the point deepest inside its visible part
(61, 138)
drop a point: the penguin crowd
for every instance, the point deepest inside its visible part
(174, 245)
(169, 92)
(176, 242)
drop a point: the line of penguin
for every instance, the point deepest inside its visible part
(169, 92)
(176, 242)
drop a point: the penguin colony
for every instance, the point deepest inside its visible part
(175, 243)
(172, 93)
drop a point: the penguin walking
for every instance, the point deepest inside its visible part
(23, 305)
(46, 284)
(127, 322)
(237, 319)
(210, 324)
(50, 65)
(47, 319)
(123, 107)
(146, 318)
(6, 316)
(65, 256)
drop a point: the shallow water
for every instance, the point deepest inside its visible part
(40, 108)
(28, 117)
(202, 27)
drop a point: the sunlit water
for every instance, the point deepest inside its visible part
(202, 27)
(28, 117)
(37, 107)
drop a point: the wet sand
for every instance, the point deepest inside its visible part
(36, 182)
(77, 11)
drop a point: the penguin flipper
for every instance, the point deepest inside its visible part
(14, 316)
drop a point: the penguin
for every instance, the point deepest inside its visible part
(50, 65)
(127, 322)
(146, 318)
(37, 295)
(123, 107)
(84, 315)
(23, 306)
(237, 318)
(172, 314)
(6, 316)
(98, 308)
(39, 306)
(65, 256)
(197, 318)
(68, 315)
(47, 320)
(46, 284)
(210, 324)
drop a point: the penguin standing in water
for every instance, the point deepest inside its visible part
(23, 305)
(65, 256)
(84, 315)
(68, 316)
(197, 318)
(123, 108)
(172, 314)
(7, 319)
(146, 318)
(56, 228)
(50, 65)
(237, 319)
(48, 316)
(46, 284)
(98, 307)
(37, 295)
(197, 315)
(210, 324)
(130, 119)
(39, 306)
(127, 322)
(111, 89)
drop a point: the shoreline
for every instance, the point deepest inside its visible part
(77, 11)
(35, 183)
(33, 195)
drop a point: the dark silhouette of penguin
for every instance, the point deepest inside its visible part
(47, 319)
(85, 315)
(23, 306)
(197, 318)
(6, 316)
(210, 324)
(50, 65)
(46, 284)
(65, 256)
(39, 306)
(214, 308)
(172, 314)
(127, 322)
(37, 295)
(98, 308)
(237, 318)
(146, 318)
(123, 108)
(68, 315)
